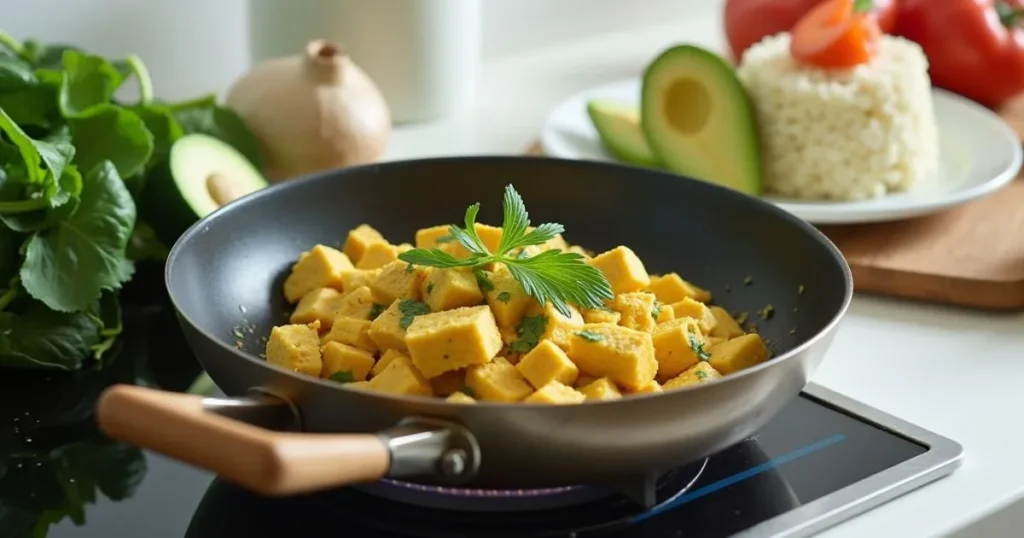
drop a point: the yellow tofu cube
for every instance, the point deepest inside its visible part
(385, 360)
(664, 312)
(546, 363)
(637, 309)
(357, 278)
(557, 394)
(738, 353)
(377, 255)
(699, 373)
(453, 339)
(725, 326)
(626, 356)
(447, 289)
(678, 345)
(671, 288)
(397, 280)
(651, 387)
(599, 315)
(490, 236)
(327, 304)
(359, 238)
(295, 347)
(497, 381)
(583, 380)
(344, 363)
(388, 329)
(448, 382)
(461, 398)
(428, 237)
(351, 331)
(557, 327)
(320, 267)
(714, 341)
(401, 377)
(555, 243)
(506, 297)
(601, 389)
(623, 269)
(581, 251)
(688, 307)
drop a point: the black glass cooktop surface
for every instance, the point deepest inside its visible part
(60, 478)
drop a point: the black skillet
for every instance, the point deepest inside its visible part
(225, 273)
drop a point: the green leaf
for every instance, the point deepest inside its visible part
(433, 257)
(15, 75)
(468, 237)
(10, 241)
(68, 266)
(561, 277)
(515, 220)
(344, 376)
(222, 123)
(481, 279)
(504, 296)
(35, 106)
(108, 132)
(863, 6)
(697, 347)
(701, 374)
(529, 331)
(410, 309)
(144, 244)
(26, 147)
(468, 391)
(376, 310)
(88, 81)
(44, 339)
(656, 311)
(164, 127)
(590, 336)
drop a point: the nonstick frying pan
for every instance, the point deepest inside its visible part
(281, 432)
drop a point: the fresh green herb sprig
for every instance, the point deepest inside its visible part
(552, 275)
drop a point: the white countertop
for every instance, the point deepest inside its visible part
(959, 373)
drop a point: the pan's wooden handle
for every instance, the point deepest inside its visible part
(273, 463)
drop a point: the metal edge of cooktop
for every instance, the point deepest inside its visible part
(942, 457)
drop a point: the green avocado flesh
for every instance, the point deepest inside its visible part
(698, 119)
(181, 194)
(618, 127)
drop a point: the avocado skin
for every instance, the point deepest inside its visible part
(624, 139)
(741, 141)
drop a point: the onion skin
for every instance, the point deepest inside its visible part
(312, 112)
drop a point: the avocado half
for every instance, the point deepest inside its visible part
(202, 173)
(698, 119)
(618, 127)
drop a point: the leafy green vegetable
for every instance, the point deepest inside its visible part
(590, 336)
(656, 311)
(468, 391)
(482, 280)
(697, 346)
(410, 309)
(430, 288)
(376, 310)
(504, 296)
(73, 161)
(701, 374)
(344, 376)
(68, 266)
(552, 275)
(529, 331)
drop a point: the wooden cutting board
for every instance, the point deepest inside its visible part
(970, 256)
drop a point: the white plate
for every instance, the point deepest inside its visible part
(979, 153)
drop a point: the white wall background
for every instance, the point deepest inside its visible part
(198, 46)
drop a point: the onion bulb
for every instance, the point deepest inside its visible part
(312, 112)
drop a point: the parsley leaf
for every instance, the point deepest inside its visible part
(656, 310)
(444, 239)
(863, 6)
(376, 310)
(468, 391)
(529, 331)
(481, 279)
(344, 376)
(697, 347)
(550, 276)
(66, 267)
(504, 296)
(590, 336)
(410, 309)
(430, 288)
(701, 374)
(43, 339)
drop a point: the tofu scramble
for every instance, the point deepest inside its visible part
(373, 322)
(369, 320)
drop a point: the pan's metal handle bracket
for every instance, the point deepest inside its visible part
(427, 447)
(259, 408)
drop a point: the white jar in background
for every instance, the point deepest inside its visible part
(424, 55)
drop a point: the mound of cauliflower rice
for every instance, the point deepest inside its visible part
(842, 134)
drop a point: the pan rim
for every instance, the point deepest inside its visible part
(330, 175)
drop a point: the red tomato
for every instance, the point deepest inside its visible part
(975, 47)
(748, 21)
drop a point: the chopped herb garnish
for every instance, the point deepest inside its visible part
(376, 310)
(656, 310)
(344, 376)
(444, 239)
(504, 296)
(551, 276)
(529, 332)
(410, 309)
(863, 6)
(237, 333)
(800, 289)
(430, 287)
(410, 268)
(767, 312)
(481, 279)
(701, 374)
(468, 391)
(590, 336)
(698, 347)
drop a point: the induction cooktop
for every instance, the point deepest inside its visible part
(822, 460)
